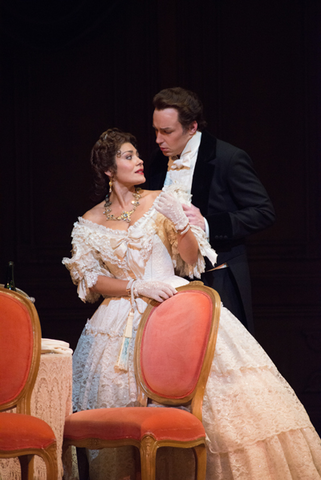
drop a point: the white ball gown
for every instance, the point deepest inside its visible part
(256, 427)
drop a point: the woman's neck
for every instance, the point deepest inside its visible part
(121, 195)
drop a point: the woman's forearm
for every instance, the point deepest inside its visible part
(188, 247)
(112, 287)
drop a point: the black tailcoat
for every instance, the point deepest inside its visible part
(230, 196)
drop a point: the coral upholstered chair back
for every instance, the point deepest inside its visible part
(20, 346)
(21, 434)
(175, 346)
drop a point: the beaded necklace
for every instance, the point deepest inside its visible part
(125, 216)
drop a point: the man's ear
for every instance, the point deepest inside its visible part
(193, 127)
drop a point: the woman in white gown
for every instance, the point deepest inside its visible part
(135, 241)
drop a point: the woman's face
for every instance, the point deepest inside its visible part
(130, 168)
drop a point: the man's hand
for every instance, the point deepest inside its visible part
(194, 216)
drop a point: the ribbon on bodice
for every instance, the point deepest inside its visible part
(130, 247)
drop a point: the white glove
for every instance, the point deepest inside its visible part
(155, 289)
(171, 208)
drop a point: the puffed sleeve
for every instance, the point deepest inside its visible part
(204, 248)
(84, 265)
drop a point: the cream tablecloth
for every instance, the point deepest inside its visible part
(51, 400)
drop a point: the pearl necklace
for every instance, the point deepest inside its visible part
(125, 216)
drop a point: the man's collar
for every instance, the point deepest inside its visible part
(193, 143)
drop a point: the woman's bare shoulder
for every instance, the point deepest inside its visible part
(95, 213)
(151, 194)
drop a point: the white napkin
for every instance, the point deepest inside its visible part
(49, 345)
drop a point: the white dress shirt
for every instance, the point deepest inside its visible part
(180, 170)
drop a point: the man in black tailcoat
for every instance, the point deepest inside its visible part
(228, 200)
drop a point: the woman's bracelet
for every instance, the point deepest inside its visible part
(186, 229)
(129, 285)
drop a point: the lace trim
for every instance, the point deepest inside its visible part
(91, 278)
(95, 331)
(92, 234)
(182, 268)
(205, 249)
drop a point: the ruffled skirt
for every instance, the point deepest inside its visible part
(256, 427)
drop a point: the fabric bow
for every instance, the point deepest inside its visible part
(119, 246)
(181, 163)
(130, 247)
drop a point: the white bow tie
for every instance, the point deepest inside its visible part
(181, 163)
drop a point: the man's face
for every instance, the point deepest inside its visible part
(170, 135)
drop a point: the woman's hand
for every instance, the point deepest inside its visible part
(171, 208)
(154, 289)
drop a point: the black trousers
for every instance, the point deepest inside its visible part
(223, 281)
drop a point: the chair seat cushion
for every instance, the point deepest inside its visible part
(134, 423)
(18, 432)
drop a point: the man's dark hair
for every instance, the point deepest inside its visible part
(187, 103)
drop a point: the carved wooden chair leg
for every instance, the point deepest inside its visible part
(148, 450)
(51, 462)
(200, 458)
(26, 465)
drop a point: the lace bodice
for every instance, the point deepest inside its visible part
(147, 250)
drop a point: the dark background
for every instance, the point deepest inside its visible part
(71, 69)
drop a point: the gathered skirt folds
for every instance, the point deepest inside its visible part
(256, 427)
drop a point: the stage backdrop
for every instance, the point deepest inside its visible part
(70, 70)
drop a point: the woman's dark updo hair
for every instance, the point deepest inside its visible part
(103, 158)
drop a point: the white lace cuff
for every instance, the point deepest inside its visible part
(203, 244)
(205, 250)
(84, 292)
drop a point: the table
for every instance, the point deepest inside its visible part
(51, 401)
